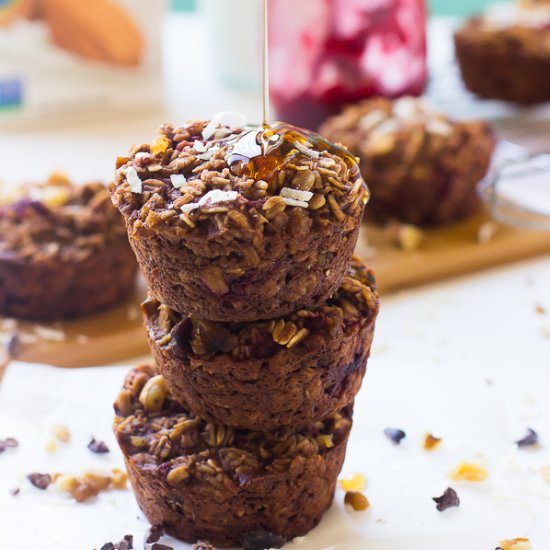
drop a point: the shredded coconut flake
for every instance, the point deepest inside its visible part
(186, 208)
(212, 197)
(136, 185)
(229, 119)
(142, 155)
(372, 119)
(178, 180)
(293, 202)
(306, 150)
(289, 193)
(199, 146)
(440, 127)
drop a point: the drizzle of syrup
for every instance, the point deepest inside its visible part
(260, 152)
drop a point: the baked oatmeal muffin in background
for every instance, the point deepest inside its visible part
(422, 167)
(262, 375)
(64, 251)
(201, 481)
(232, 223)
(504, 53)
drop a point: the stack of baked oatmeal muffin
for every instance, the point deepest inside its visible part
(260, 323)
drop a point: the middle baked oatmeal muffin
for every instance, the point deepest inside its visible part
(422, 167)
(233, 223)
(230, 487)
(64, 251)
(262, 375)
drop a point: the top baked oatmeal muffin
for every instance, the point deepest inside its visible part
(63, 251)
(504, 53)
(238, 223)
(422, 167)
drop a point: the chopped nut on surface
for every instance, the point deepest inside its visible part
(395, 435)
(541, 310)
(516, 544)
(8, 443)
(469, 471)
(127, 543)
(98, 446)
(545, 473)
(15, 491)
(447, 500)
(486, 232)
(406, 236)
(203, 546)
(431, 442)
(62, 433)
(358, 501)
(51, 445)
(40, 481)
(356, 482)
(154, 534)
(529, 440)
(90, 484)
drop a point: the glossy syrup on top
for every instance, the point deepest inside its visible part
(260, 152)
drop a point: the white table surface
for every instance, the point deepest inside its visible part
(467, 360)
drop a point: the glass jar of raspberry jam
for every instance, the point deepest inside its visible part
(326, 53)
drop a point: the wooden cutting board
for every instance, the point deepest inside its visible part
(118, 334)
(448, 251)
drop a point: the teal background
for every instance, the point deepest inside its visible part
(437, 7)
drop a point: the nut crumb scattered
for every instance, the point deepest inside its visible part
(470, 471)
(61, 433)
(90, 484)
(8, 443)
(516, 544)
(358, 501)
(15, 491)
(541, 310)
(51, 445)
(395, 435)
(486, 232)
(98, 446)
(529, 440)
(448, 499)
(431, 442)
(356, 482)
(405, 236)
(203, 546)
(127, 543)
(154, 534)
(40, 481)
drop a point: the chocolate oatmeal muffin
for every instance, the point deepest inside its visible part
(504, 53)
(291, 371)
(64, 252)
(202, 481)
(239, 224)
(422, 167)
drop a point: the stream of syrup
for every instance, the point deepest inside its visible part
(263, 150)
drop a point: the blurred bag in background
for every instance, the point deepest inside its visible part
(62, 58)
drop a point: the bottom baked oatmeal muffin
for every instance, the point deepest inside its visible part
(202, 481)
(64, 252)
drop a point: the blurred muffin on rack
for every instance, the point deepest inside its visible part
(421, 166)
(504, 53)
(64, 252)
